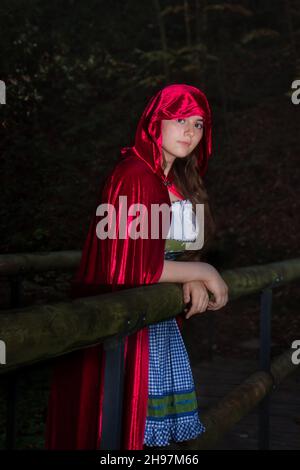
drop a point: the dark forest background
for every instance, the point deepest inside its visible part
(78, 76)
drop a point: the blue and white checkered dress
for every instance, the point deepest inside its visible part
(172, 404)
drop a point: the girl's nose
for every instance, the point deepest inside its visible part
(189, 130)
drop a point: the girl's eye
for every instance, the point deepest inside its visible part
(199, 125)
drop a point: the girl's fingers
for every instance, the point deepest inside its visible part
(203, 305)
(199, 307)
(214, 305)
(186, 295)
(191, 311)
(206, 304)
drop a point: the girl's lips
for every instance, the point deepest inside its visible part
(184, 143)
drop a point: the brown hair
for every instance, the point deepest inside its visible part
(188, 181)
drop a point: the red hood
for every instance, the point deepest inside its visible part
(171, 102)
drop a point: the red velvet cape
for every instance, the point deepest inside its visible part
(74, 418)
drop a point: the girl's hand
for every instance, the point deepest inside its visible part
(217, 286)
(195, 291)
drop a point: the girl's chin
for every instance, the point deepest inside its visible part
(183, 155)
(179, 154)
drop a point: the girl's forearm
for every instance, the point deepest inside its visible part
(185, 271)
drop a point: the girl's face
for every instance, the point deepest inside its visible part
(180, 136)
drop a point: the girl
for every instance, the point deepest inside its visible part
(165, 166)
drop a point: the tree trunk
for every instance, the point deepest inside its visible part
(163, 38)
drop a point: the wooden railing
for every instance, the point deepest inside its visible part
(37, 333)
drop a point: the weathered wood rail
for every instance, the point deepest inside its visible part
(37, 333)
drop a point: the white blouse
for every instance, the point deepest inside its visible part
(184, 224)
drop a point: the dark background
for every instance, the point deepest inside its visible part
(78, 76)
